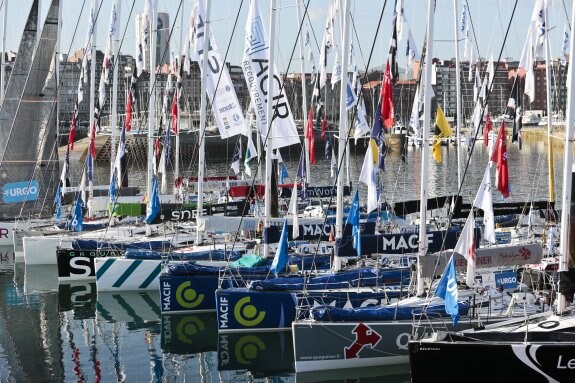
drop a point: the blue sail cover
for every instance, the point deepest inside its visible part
(92, 244)
(211, 255)
(355, 278)
(380, 313)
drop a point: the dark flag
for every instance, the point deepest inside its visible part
(393, 53)
(73, 124)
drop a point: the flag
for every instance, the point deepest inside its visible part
(361, 125)
(88, 44)
(441, 125)
(111, 32)
(517, 126)
(153, 205)
(466, 246)
(436, 149)
(90, 167)
(168, 145)
(382, 147)
(565, 46)
(120, 154)
(387, 112)
(237, 157)
(393, 54)
(488, 128)
(527, 63)
(447, 289)
(112, 188)
(130, 100)
(292, 209)
(283, 174)
(310, 136)
(302, 169)
(500, 158)
(65, 169)
(411, 52)
(484, 200)
(414, 118)
(367, 175)
(336, 72)
(73, 123)
(58, 203)
(538, 18)
(76, 222)
(175, 111)
(255, 64)
(353, 220)
(281, 258)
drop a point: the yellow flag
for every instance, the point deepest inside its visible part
(436, 149)
(442, 123)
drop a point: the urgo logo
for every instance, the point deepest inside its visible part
(20, 191)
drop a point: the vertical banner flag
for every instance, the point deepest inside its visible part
(76, 223)
(292, 209)
(219, 86)
(281, 258)
(367, 175)
(484, 200)
(353, 220)
(255, 64)
(500, 158)
(466, 247)
(153, 206)
(58, 203)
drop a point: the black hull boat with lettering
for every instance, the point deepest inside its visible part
(541, 349)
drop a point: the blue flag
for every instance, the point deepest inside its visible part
(112, 189)
(281, 258)
(283, 174)
(377, 128)
(447, 289)
(58, 202)
(76, 223)
(153, 207)
(301, 169)
(89, 165)
(353, 219)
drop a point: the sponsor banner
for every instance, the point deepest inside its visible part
(16, 192)
(240, 310)
(315, 191)
(263, 352)
(79, 264)
(506, 279)
(189, 333)
(316, 231)
(188, 292)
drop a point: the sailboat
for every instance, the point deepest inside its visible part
(28, 115)
(539, 347)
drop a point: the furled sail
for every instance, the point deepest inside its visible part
(29, 169)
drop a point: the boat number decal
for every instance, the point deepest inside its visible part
(247, 314)
(187, 297)
(247, 348)
(364, 336)
(548, 324)
(188, 327)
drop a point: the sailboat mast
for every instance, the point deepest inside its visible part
(342, 131)
(203, 112)
(178, 91)
(92, 98)
(425, 145)
(153, 26)
(303, 94)
(567, 176)
(270, 135)
(2, 63)
(114, 122)
(549, 123)
(458, 93)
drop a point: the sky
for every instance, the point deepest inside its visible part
(490, 19)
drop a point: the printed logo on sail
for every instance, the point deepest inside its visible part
(20, 191)
(188, 327)
(187, 297)
(247, 348)
(256, 41)
(247, 314)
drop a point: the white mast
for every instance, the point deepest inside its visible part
(458, 93)
(153, 26)
(551, 166)
(203, 111)
(270, 136)
(567, 174)
(178, 92)
(342, 142)
(2, 63)
(425, 145)
(303, 92)
(114, 122)
(92, 98)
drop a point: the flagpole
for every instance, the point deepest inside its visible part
(458, 93)
(114, 121)
(303, 92)
(92, 103)
(270, 135)
(203, 112)
(153, 26)
(425, 147)
(342, 134)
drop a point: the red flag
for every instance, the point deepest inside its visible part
(72, 134)
(93, 141)
(129, 111)
(500, 157)
(387, 112)
(323, 127)
(488, 128)
(310, 136)
(175, 112)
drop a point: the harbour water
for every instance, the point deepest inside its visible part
(51, 332)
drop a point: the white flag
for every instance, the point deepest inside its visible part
(466, 247)
(411, 52)
(255, 65)
(292, 209)
(336, 72)
(565, 47)
(367, 175)
(484, 201)
(491, 71)
(538, 18)
(163, 171)
(414, 118)
(361, 126)
(111, 32)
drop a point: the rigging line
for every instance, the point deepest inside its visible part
(450, 218)
(566, 15)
